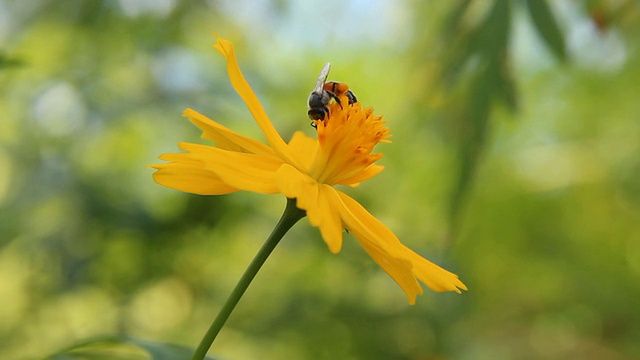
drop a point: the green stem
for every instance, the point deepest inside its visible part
(290, 216)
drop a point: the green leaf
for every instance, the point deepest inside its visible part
(123, 348)
(485, 42)
(547, 26)
(163, 351)
(454, 19)
(506, 88)
(493, 34)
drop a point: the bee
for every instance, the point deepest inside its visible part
(322, 94)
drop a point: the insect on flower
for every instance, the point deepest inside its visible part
(322, 94)
(310, 170)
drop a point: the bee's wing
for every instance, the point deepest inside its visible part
(322, 78)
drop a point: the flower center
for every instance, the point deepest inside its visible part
(346, 139)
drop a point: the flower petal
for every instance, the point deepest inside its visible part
(226, 138)
(401, 263)
(243, 89)
(239, 170)
(314, 198)
(296, 185)
(365, 174)
(331, 227)
(380, 243)
(395, 267)
(305, 146)
(434, 276)
(192, 177)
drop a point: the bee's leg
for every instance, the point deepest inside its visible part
(334, 97)
(351, 97)
(326, 112)
(335, 87)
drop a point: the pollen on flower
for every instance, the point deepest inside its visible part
(346, 138)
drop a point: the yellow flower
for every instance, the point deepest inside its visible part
(306, 169)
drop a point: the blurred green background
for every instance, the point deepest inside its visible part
(515, 163)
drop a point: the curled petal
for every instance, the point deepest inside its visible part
(395, 267)
(226, 138)
(243, 89)
(380, 243)
(434, 276)
(402, 264)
